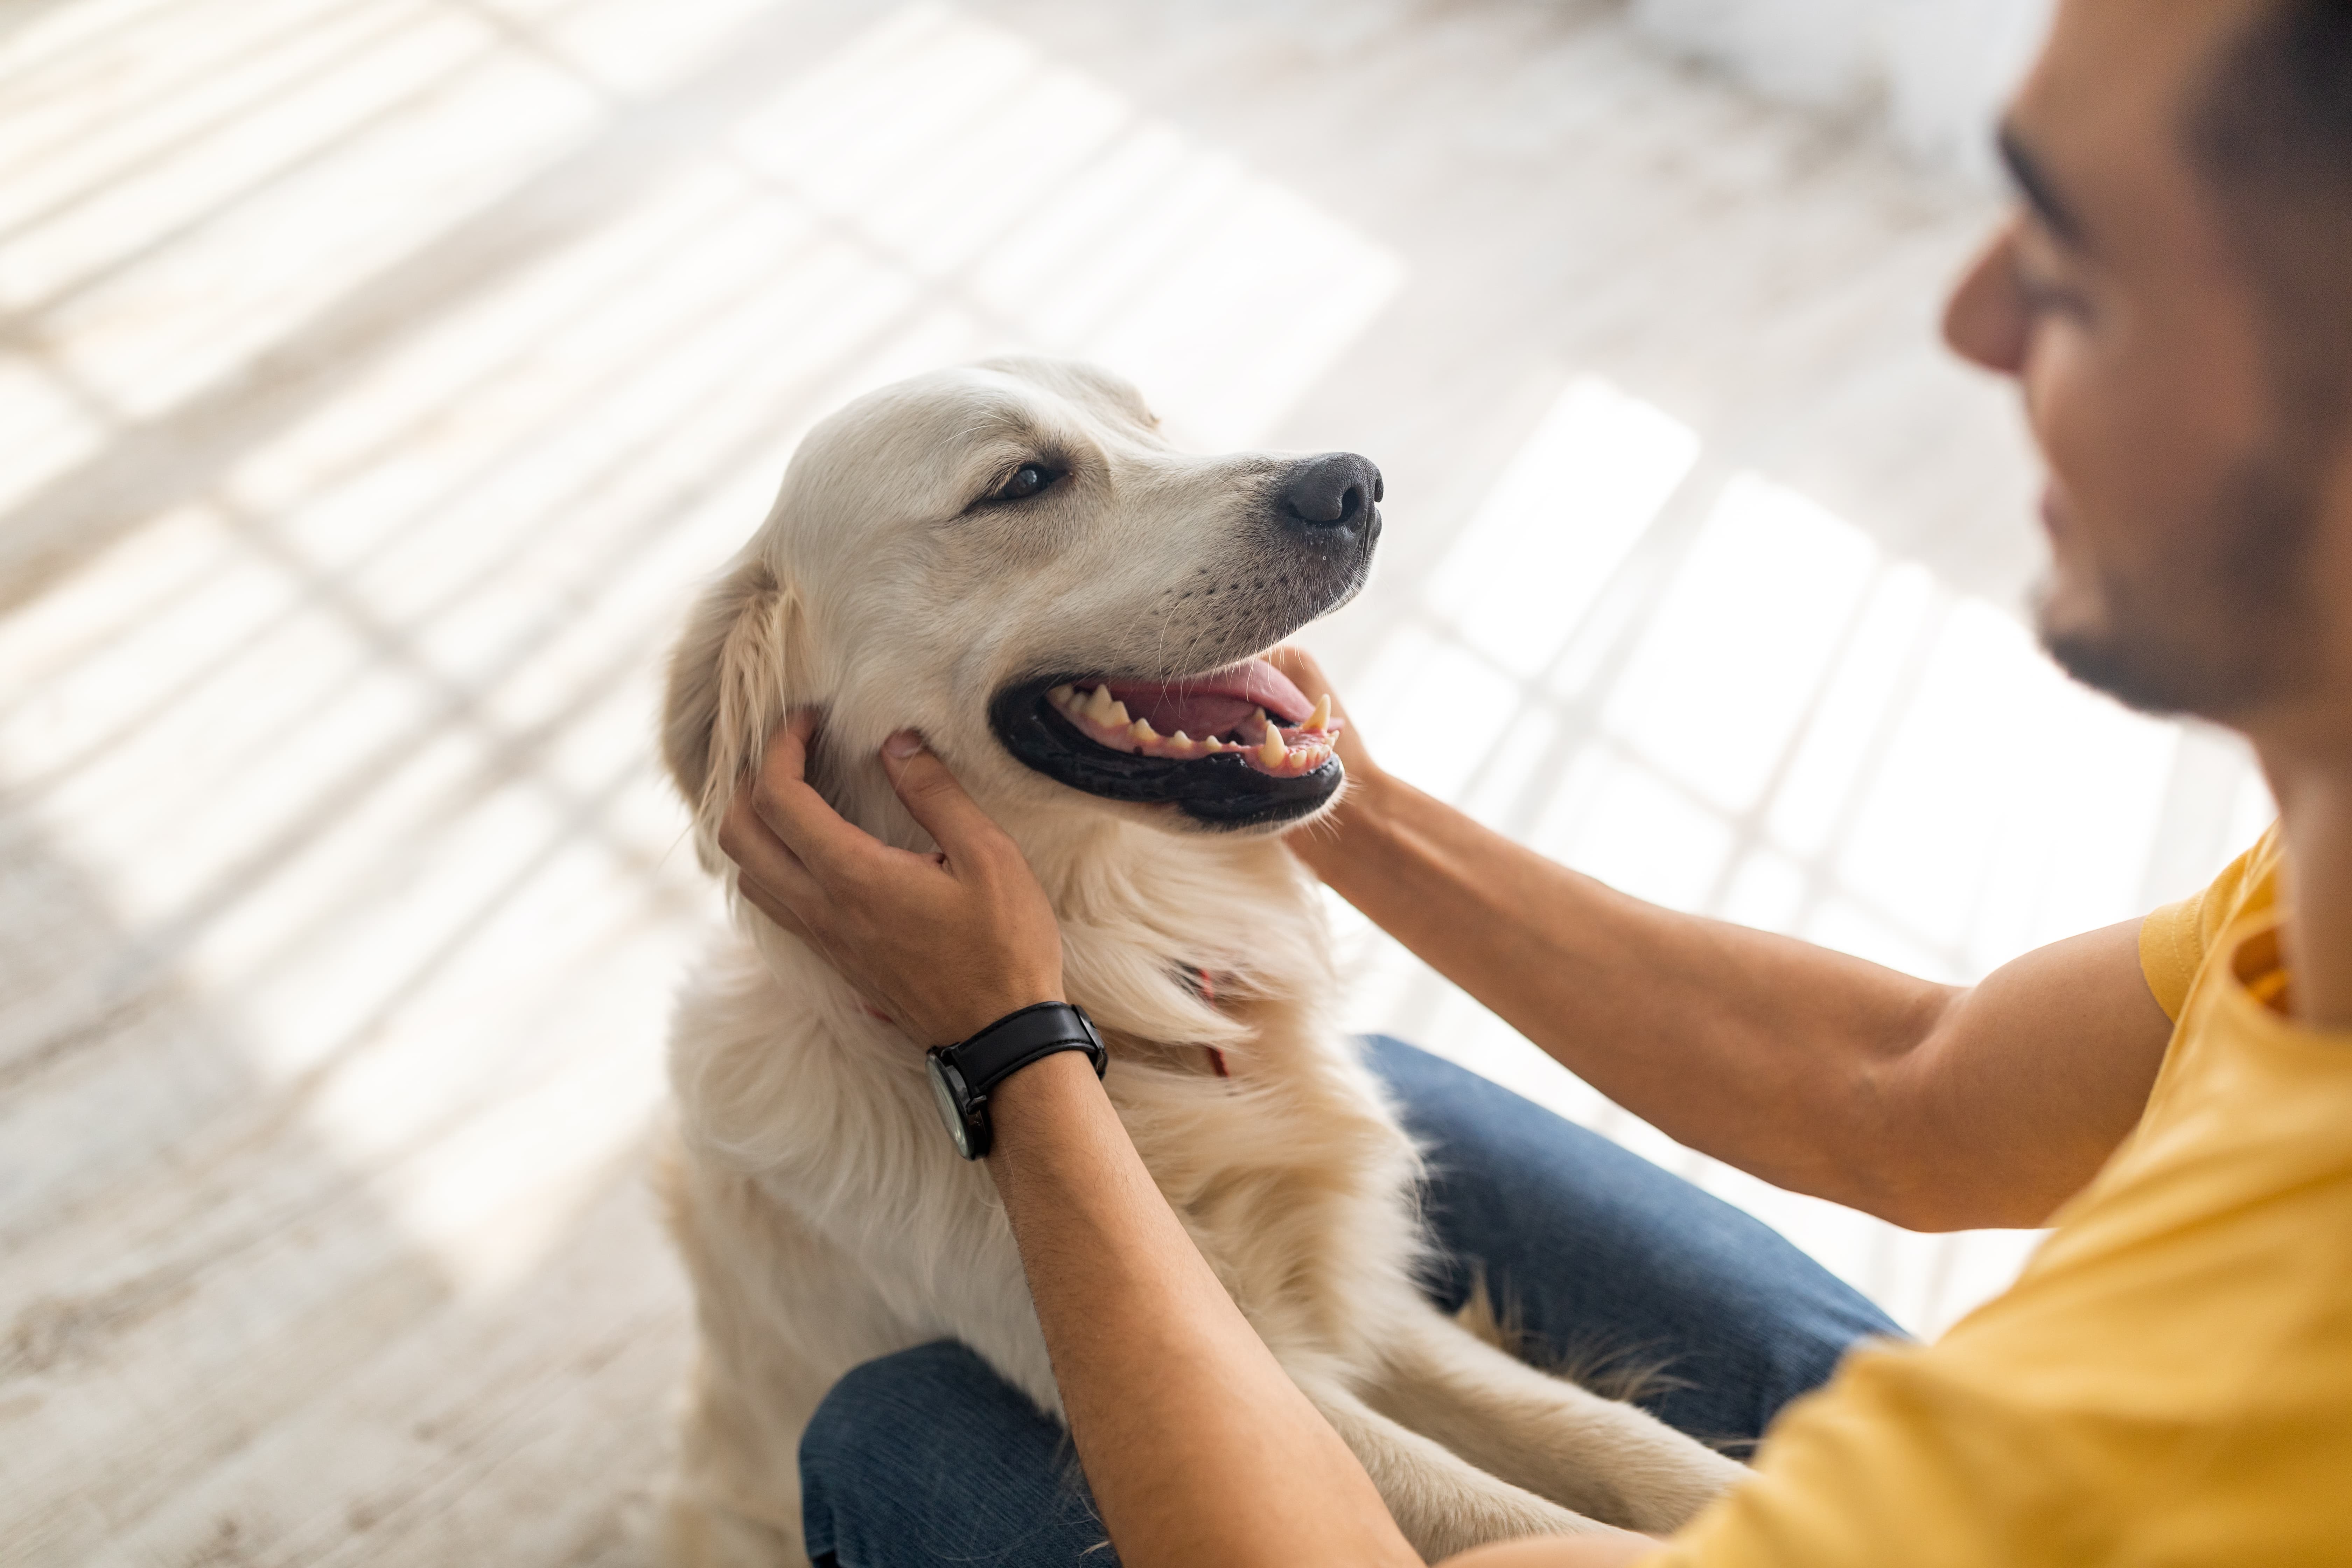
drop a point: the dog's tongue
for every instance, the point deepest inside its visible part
(1205, 705)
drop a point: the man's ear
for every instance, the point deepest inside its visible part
(730, 678)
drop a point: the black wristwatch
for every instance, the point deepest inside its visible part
(962, 1074)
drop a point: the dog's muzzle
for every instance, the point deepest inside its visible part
(1238, 746)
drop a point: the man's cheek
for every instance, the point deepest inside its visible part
(2096, 490)
(2052, 383)
(2088, 421)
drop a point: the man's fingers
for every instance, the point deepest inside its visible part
(827, 846)
(933, 797)
(766, 901)
(770, 870)
(1301, 667)
(1308, 676)
(1305, 673)
(788, 747)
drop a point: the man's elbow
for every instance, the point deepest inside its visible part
(1944, 1196)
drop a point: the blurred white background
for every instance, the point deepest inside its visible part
(1932, 74)
(377, 377)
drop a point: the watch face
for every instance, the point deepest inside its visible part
(951, 1112)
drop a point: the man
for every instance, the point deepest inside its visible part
(2171, 1380)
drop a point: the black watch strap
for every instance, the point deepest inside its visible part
(1016, 1040)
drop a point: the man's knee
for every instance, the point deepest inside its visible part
(927, 1456)
(861, 1427)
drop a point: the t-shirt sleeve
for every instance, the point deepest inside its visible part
(2174, 941)
(2171, 949)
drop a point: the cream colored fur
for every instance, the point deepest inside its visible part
(820, 1208)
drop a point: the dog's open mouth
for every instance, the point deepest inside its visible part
(1251, 710)
(1235, 747)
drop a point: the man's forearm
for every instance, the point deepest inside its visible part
(1772, 1054)
(1197, 1444)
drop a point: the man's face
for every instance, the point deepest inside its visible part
(2182, 512)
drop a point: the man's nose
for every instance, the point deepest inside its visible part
(1337, 490)
(1985, 320)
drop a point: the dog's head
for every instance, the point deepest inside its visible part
(1010, 559)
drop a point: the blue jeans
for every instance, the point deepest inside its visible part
(1596, 1255)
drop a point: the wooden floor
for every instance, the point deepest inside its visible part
(376, 377)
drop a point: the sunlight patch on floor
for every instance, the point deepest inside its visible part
(1558, 519)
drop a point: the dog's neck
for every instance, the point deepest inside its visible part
(1145, 915)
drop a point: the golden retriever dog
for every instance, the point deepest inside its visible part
(1012, 559)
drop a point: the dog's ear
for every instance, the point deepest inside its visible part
(730, 679)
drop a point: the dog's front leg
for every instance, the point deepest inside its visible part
(1600, 1456)
(1442, 1504)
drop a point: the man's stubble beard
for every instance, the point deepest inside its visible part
(2220, 632)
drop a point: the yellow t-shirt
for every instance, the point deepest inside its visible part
(2169, 1381)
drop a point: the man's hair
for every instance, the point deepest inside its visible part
(2272, 135)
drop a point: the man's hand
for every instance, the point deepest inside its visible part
(1307, 675)
(1323, 843)
(944, 943)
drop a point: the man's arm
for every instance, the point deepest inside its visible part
(1172, 1398)
(1935, 1107)
(1620, 1550)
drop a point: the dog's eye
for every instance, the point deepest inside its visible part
(1023, 483)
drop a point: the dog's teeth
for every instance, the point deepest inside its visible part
(1143, 733)
(1275, 749)
(1098, 705)
(1061, 696)
(1117, 715)
(1212, 746)
(1321, 718)
(1180, 741)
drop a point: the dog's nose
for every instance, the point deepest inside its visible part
(1334, 491)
